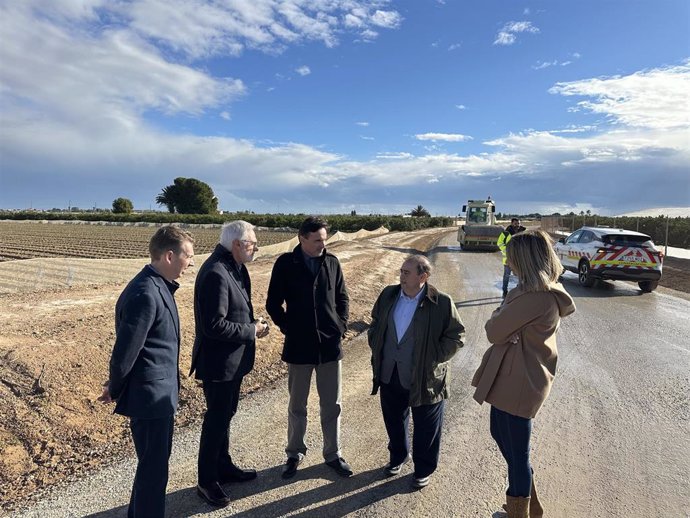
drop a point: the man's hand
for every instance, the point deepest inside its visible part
(262, 328)
(105, 396)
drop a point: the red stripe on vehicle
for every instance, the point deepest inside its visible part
(618, 253)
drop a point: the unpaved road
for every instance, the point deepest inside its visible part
(612, 441)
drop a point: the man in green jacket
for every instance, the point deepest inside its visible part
(415, 331)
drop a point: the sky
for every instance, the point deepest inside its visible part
(329, 106)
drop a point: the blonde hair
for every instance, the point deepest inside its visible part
(530, 255)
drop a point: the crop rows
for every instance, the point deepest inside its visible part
(28, 240)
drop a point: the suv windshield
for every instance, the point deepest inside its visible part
(626, 240)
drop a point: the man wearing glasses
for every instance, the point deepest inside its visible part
(308, 301)
(224, 350)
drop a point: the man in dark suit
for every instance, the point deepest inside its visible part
(144, 366)
(224, 350)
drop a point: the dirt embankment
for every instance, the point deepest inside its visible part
(676, 274)
(54, 352)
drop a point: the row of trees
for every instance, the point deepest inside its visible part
(655, 227)
(189, 200)
(184, 196)
(678, 228)
(192, 196)
(345, 223)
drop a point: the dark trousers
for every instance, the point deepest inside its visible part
(428, 421)
(506, 277)
(221, 405)
(153, 444)
(512, 434)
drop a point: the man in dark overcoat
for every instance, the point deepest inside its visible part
(307, 299)
(224, 351)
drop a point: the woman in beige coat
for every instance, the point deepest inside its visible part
(516, 372)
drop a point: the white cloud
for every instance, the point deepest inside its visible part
(454, 46)
(461, 106)
(504, 38)
(225, 115)
(545, 64)
(364, 137)
(517, 27)
(198, 29)
(90, 80)
(575, 129)
(353, 21)
(655, 98)
(369, 35)
(386, 19)
(445, 137)
(362, 123)
(394, 156)
(304, 70)
(103, 65)
(507, 35)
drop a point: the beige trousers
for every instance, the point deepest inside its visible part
(328, 386)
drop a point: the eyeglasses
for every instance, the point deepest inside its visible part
(249, 244)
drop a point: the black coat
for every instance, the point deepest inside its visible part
(512, 231)
(316, 310)
(144, 366)
(225, 344)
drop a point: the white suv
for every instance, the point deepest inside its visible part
(611, 253)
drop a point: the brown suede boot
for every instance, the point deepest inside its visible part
(517, 506)
(535, 508)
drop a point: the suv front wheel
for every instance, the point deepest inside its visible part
(584, 274)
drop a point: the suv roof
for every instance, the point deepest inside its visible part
(607, 231)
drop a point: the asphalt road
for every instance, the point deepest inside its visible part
(612, 440)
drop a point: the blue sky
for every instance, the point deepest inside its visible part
(333, 105)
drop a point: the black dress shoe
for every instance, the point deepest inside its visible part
(290, 469)
(341, 467)
(235, 474)
(214, 495)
